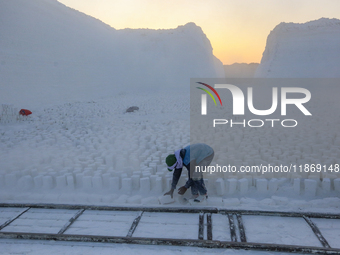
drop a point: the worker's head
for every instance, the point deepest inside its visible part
(171, 161)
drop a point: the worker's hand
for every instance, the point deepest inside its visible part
(171, 193)
(182, 190)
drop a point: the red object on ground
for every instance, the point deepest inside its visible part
(25, 112)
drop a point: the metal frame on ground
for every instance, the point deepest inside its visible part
(234, 217)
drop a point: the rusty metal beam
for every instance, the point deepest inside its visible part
(232, 228)
(201, 226)
(73, 219)
(317, 232)
(175, 209)
(134, 224)
(14, 218)
(209, 226)
(241, 228)
(178, 242)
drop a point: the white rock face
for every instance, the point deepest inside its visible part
(59, 53)
(309, 50)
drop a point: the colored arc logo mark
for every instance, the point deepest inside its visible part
(208, 92)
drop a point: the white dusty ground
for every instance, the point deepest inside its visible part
(272, 230)
(22, 247)
(94, 153)
(91, 152)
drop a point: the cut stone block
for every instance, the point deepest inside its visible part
(38, 181)
(114, 184)
(61, 182)
(296, 185)
(144, 185)
(153, 181)
(126, 185)
(220, 186)
(47, 182)
(79, 180)
(70, 181)
(166, 199)
(273, 185)
(87, 182)
(326, 184)
(135, 181)
(134, 199)
(26, 182)
(11, 180)
(97, 182)
(243, 185)
(168, 181)
(158, 185)
(337, 184)
(310, 187)
(232, 185)
(262, 185)
(106, 180)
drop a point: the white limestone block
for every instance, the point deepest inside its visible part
(26, 182)
(61, 182)
(326, 184)
(38, 181)
(97, 182)
(273, 185)
(296, 185)
(310, 187)
(126, 185)
(158, 185)
(337, 184)
(70, 181)
(11, 180)
(79, 180)
(262, 185)
(106, 180)
(243, 185)
(220, 186)
(232, 185)
(144, 185)
(135, 181)
(114, 184)
(47, 182)
(87, 182)
(166, 199)
(134, 199)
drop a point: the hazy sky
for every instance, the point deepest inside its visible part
(237, 29)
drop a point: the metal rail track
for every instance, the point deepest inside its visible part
(237, 228)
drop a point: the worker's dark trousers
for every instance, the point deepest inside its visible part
(196, 181)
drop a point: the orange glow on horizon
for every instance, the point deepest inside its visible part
(237, 30)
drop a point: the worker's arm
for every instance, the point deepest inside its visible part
(175, 178)
(184, 188)
(190, 182)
